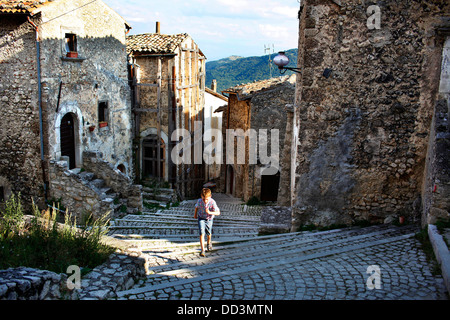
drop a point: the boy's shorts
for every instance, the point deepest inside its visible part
(205, 227)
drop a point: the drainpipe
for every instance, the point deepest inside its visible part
(38, 56)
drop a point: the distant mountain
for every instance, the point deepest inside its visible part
(236, 70)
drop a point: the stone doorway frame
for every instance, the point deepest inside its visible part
(78, 130)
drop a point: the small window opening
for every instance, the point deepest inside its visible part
(71, 42)
(103, 112)
(121, 168)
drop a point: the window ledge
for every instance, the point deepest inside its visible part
(78, 59)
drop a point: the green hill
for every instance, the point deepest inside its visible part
(236, 70)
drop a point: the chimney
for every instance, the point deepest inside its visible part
(158, 27)
(214, 85)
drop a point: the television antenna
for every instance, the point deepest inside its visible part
(267, 50)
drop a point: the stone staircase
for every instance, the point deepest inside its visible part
(177, 225)
(109, 199)
(156, 198)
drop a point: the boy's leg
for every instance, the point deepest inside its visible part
(202, 242)
(209, 234)
(202, 227)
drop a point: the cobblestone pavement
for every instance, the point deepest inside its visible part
(382, 262)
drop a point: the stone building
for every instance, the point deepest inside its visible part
(364, 108)
(258, 107)
(64, 96)
(169, 93)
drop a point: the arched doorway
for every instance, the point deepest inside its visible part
(67, 134)
(150, 157)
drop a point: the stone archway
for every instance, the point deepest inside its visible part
(67, 136)
(55, 136)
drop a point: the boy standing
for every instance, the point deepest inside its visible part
(205, 210)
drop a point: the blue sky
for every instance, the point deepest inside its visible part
(220, 27)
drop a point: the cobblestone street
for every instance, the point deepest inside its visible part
(330, 265)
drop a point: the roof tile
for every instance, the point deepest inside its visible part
(21, 6)
(155, 42)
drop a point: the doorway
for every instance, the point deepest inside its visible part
(269, 187)
(230, 180)
(150, 157)
(67, 134)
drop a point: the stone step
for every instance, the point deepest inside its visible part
(160, 204)
(154, 244)
(181, 220)
(159, 197)
(171, 270)
(165, 191)
(164, 214)
(97, 183)
(87, 176)
(190, 211)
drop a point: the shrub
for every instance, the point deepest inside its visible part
(45, 244)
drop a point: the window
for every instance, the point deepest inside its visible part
(103, 112)
(71, 42)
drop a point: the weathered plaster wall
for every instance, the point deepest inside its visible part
(363, 131)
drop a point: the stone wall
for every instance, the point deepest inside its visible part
(120, 272)
(20, 164)
(72, 86)
(268, 111)
(80, 194)
(258, 106)
(75, 193)
(436, 186)
(31, 284)
(364, 127)
(77, 86)
(114, 179)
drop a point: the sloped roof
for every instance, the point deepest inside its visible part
(155, 42)
(31, 7)
(246, 90)
(21, 6)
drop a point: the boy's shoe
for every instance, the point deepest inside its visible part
(209, 247)
(202, 254)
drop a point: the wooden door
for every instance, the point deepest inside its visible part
(67, 131)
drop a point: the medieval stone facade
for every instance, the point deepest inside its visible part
(169, 94)
(364, 106)
(64, 91)
(260, 107)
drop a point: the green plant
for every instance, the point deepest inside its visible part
(442, 224)
(46, 244)
(11, 217)
(427, 248)
(253, 201)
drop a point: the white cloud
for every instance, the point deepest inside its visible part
(220, 27)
